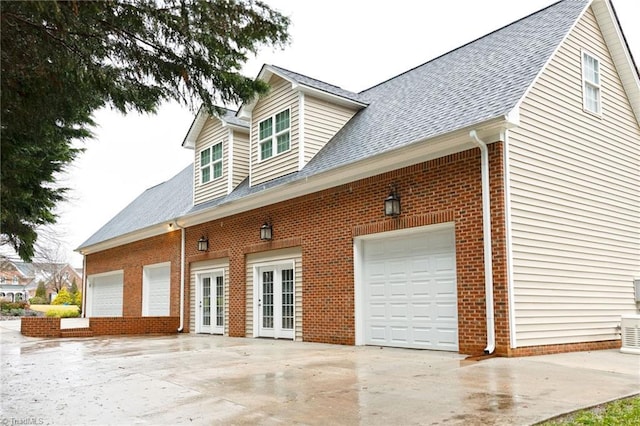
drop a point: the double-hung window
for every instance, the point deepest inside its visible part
(211, 163)
(275, 135)
(591, 83)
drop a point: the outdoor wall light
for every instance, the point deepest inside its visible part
(392, 203)
(266, 232)
(203, 244)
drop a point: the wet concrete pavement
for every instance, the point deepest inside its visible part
(200, 380)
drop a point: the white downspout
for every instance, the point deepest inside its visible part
(486, 236)
(85, 286)
(182, 256)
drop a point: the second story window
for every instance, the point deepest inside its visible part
(211, 163)
(274, 135)
(591, 83)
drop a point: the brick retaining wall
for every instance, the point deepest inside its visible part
(116, 326)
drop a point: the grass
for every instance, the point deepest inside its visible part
(622, 412)
(46, 308)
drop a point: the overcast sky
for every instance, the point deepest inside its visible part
(353, 44)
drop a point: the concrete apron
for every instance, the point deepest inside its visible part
(198, 379)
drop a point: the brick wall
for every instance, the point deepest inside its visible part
(132, 258)
(40, 327)
(325, 223)
(130, 325)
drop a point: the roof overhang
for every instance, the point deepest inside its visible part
(267, 72)
(140, 234)
(620, 52)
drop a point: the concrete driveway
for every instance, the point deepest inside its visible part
(201, 380)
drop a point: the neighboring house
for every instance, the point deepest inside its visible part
(514, 160)
(25, 277)
(13, 281)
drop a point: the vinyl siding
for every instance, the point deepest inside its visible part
(211, 134)
(279, 98)
(240, 158)
(294, 254)
(199, 267)
(322, 122)
(575, 202)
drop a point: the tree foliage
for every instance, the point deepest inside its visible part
(41, 291)
(62, 60)
(63, 298)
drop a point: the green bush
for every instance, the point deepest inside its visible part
(41, 291)
(62, 313)
(77, 299)
(38, 301)
(7, 306)
(63, 298)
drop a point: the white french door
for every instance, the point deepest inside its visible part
(276, 301)
(210, 302)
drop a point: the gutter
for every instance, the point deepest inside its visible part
(486, 237)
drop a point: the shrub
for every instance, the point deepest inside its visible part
(7, 306)
(62, 313)
(41, 291)
(63, 298)
(77, 299)
(38, 300)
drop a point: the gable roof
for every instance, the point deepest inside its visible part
(309, 85)
(228, 119)
(158, 205)
(481, 82)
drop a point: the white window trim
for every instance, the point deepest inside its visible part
(211, 163)
(198, 295)
(274, 136)
(586, 83)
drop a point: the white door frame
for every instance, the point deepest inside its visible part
(212, 328)
(358, 268)
(277, 332)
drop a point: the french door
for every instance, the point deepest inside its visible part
(210, 302)
(276, 301)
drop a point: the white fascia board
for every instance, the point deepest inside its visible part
(612, 34)
(195, 129)
(416, 152)
(515, 112)
(235, 127)
(140, 234)
(329, 97)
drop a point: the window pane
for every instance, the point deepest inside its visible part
(206, 174)
(591, 69)
(282, 121)
(592, 98)
(216, 152)
(205, 157)
(219, 302)
(266, 129)
(217, 169)
(265, 149)
(283, 142)
(287, 299)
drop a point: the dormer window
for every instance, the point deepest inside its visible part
(275, 138)
(211, 163)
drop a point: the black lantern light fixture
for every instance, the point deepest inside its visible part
(203, 244)
(266, 232)
(392, 203)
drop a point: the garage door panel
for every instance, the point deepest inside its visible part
(410, 293)
(106, 295)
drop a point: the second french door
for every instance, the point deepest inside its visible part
(276, 301)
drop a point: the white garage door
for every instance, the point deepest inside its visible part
(156, 287)
(106, 295)
(409, 285)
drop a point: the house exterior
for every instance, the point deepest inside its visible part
(515, 162)
(19, 280)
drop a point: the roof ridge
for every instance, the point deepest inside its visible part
(313, 78)
(464, 45)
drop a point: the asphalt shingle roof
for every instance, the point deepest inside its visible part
(158, 204)
(481, 80)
